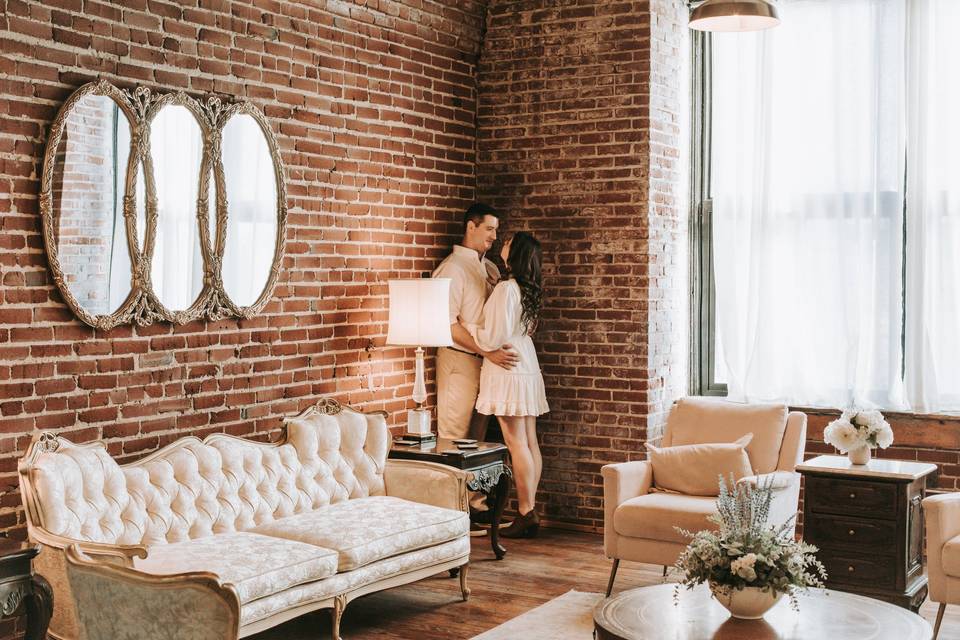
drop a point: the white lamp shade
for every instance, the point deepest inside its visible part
(420, 313)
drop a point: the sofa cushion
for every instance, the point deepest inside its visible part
(696, 469)
(364, 530)
(256, 565)
(700, 420)
(654, 516)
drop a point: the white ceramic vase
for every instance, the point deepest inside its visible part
(860, 455)
(749, 603)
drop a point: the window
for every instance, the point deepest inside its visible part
(827, 207)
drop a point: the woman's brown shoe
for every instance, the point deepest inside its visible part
(525, 526)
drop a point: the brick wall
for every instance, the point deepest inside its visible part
(373, 105)
(580, 141)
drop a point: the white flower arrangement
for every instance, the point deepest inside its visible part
(855, 429)
(748, 552)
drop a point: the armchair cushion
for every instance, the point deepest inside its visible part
(699, 420)
(364, 530)
(655, 515)
(257, 566)
(696, 469)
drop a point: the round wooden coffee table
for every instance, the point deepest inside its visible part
(650, 612)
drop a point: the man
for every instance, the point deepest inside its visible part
(472, 278)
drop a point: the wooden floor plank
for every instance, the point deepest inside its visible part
(533, 572)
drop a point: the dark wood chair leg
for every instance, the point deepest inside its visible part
(499, 502)
(39, 609)
(936, 627)
(613, 575)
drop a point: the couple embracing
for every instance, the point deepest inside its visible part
(492, 369)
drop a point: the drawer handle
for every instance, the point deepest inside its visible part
(850, 568)
(851, 532)
(853, 496)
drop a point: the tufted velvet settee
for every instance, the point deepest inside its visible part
(309, 522)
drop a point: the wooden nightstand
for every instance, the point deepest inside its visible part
(487, 463)
(21, 590)
(867, 522)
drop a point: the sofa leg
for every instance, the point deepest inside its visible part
(339, 604)
(613, 575)
(665, 571)
(936, 627)
(464, 589)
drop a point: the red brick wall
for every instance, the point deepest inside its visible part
(580, 141)
(373, 105)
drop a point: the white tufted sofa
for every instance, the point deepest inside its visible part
(309, 522)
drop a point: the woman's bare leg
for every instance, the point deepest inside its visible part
(515, 434)
(530, 425)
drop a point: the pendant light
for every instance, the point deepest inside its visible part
(734, 15)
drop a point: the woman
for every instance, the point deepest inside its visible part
(516, 396)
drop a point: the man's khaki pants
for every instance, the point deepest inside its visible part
(458, 383)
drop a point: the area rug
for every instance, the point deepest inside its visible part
(569, 616)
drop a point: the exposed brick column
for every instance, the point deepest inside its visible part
(579, 141)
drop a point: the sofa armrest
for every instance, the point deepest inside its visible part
(776, 480)
(621, 482)
(140, 603)
(428, 483)
(122, 554)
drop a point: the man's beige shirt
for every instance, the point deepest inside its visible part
(472, 278)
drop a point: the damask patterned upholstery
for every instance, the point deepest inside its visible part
(256, 566)
(369, 529)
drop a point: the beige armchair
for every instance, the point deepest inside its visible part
(639, 523)
(118, 603)
(942, 519)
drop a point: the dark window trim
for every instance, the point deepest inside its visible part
(702, 299)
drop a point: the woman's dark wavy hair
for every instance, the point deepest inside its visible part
(524, 262)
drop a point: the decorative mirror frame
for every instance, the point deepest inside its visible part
(142, 306)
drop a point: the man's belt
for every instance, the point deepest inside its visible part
(469, 353)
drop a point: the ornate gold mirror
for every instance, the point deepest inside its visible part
(161, 207)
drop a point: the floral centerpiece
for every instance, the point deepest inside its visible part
(749, 564)
(857, 433)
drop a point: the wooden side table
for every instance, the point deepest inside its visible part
(22, 591)
(868, 524)
(487, 463)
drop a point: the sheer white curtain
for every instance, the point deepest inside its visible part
(933, 207)
(252, 196)
(176, 147)
(807, 184)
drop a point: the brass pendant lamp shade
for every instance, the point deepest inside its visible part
(734, 15)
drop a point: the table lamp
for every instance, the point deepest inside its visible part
(419, 317)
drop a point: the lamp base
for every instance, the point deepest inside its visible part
(418, 421)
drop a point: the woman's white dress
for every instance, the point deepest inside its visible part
(518, 391)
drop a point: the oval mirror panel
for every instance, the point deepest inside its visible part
(88, 180)
(252, 209)
(176, 149)
(212, 213)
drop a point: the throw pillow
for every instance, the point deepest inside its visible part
(695, 469)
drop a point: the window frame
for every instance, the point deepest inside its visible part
(702, 290)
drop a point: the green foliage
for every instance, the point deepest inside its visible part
(746, 551)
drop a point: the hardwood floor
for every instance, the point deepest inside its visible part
(533, 572)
